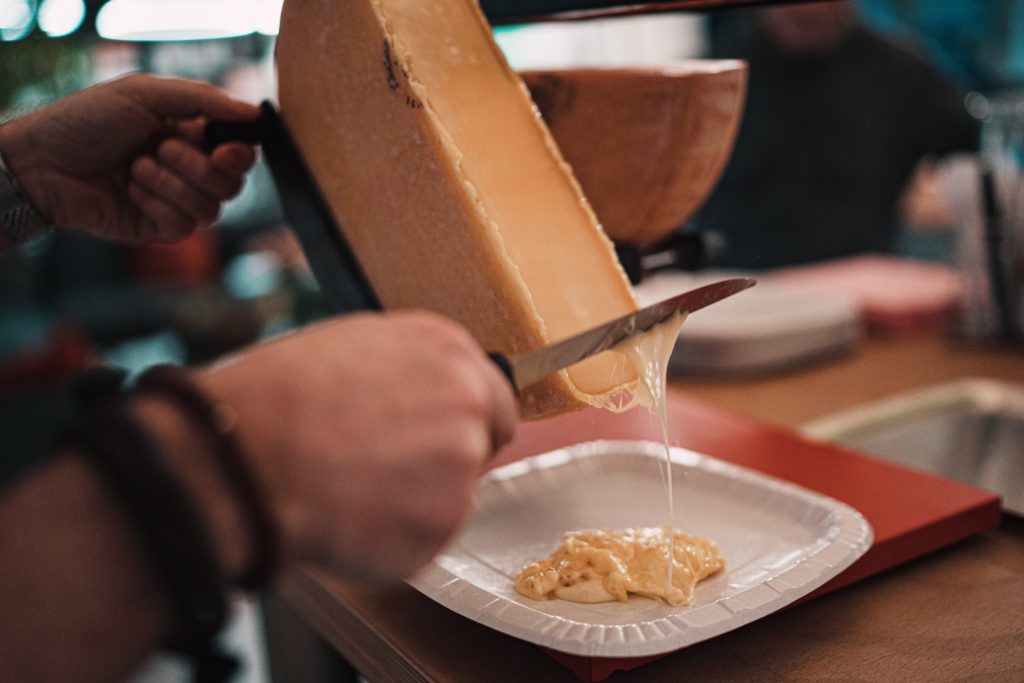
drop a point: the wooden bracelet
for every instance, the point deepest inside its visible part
(175, 383)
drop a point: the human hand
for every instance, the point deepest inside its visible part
(126, 160)
(368, 433)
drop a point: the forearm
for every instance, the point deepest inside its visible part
(74, 580)
(81, 600)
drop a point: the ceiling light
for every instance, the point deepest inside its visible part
(268, 16)
(161, 20)
(16, 18)
(61, 17)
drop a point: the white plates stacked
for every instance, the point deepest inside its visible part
(767, 328)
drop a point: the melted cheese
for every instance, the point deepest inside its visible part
(603, 566)
(648, 355)
(446, 182)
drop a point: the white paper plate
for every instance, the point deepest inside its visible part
(780, 541)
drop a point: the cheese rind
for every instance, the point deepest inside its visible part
(446, 183)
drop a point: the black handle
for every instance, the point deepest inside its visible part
(256, 132)
(505, 365)
(337, 271)
(219, 132)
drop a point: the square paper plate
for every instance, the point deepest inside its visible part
(780, 542)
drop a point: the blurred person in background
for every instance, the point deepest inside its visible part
(836, 122)
(98, 495)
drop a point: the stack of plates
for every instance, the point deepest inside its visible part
(893, 294)
(768, 328)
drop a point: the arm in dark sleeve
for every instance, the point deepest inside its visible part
(29, 424)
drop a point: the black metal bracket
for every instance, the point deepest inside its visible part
(330, 257)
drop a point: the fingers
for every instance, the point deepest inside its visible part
(500, 396)
(178, 98)
(162, 221)
(218, 175)
(233, 159)
(180, 185)
(506, 412)
(162, 181)
(495, 393)
(500, 408)
(194, 132)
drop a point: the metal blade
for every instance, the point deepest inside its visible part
(533, 366)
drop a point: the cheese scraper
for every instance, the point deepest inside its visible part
(530, 367)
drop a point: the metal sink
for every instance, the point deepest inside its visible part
(971, 430)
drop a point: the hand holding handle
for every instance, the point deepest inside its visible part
(505, 365)
(255, 132)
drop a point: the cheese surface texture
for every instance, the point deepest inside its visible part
(604, 566)
(446, 183)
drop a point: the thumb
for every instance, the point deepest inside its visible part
(180, 98)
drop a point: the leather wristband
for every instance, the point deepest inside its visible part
(170, 527)
(217, 422)
(19, 220)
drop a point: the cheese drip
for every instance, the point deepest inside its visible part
(649, 354)
(602, 566)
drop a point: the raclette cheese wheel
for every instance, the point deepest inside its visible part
(447, 184)
(647, 144)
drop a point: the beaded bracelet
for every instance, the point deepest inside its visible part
(170, 527)
(174, 383)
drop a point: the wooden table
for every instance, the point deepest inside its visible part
(956, 614)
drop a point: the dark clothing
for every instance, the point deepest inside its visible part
(825, 149)
(30, 423)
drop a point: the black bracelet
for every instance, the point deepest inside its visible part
(170, 527)
(175, 383)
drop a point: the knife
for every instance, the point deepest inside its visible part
(531, 367)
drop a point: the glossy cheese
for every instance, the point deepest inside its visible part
(446, 182)
(605, 566)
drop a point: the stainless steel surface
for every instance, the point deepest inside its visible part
(533, 366)
(971, 430)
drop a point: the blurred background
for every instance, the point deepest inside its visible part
(869, 128)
